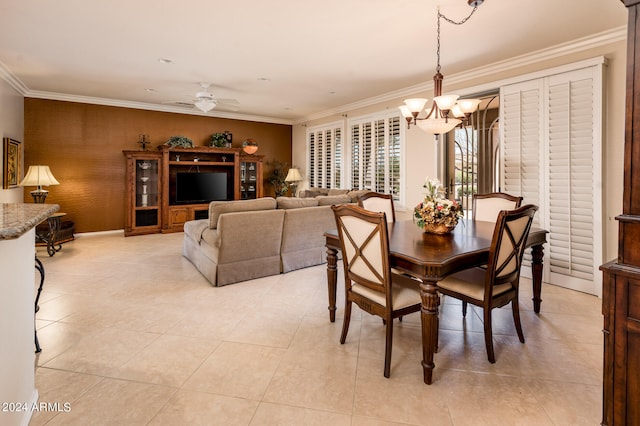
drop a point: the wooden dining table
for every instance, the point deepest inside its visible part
(432, 257)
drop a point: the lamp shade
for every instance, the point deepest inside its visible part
(293, 175)
(438, 126)
(39, 176)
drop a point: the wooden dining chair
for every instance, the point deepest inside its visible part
(369, 282)
(487, 206)
(498, 284)
(376, 202)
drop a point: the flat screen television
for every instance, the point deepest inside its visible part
(196, 188)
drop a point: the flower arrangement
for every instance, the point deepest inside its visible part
(437, 214)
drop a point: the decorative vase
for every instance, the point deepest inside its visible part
(438, 228)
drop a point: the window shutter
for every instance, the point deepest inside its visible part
(324, 156)
(551, 131)
(572, 193)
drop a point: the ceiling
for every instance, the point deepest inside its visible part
(281, 60)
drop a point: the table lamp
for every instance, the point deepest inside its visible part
(293, 176)
(39, 176)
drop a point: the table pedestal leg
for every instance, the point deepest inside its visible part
(429, 317)
(537, 253)
(332, 281)
(54, 228)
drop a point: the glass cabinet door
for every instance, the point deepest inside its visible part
(248, 180)
(147, 187)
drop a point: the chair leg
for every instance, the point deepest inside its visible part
(488, 335)
(388, 346)
(345, 321)
(464, 308)
(516, 318)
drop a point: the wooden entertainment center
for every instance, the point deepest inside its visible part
(152, 203)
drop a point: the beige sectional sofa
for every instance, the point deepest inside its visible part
(247, 239)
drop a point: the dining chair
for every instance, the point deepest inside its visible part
(369, 282)
(487, 206)
(377, 202)
(498, 284)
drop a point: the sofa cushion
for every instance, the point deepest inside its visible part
(355, 194)
(337, 191)
(216, 208)
(195, 228)
(327, 200)
(295, 203)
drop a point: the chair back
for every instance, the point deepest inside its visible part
(507, 246)
(376, 202)
(365, 248)
(487, 206)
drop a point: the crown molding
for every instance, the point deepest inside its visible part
(582, 44)
(12, 80)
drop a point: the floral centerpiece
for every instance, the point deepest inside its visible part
(437, 214)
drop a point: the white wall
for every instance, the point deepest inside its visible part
(421, 150)
(17, 349)
(11, 126)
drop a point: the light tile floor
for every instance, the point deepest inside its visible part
(132, 334)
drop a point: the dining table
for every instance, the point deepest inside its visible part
(432, 257)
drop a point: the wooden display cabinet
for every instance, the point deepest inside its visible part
(187, 160)
(151, 202)
(144, 193)
(251, 177)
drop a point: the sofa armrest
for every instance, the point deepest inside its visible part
(249, 235)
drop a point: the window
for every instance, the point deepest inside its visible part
(551, 155)
(371, 159)
(325, 158)
(376, 154)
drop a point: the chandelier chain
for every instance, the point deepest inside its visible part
(451, 21)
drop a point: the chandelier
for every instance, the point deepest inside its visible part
(437, 121)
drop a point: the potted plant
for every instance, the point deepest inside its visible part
(277, 177)
(179, 142)
(218, 140)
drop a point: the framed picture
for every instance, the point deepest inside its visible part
(11, 162)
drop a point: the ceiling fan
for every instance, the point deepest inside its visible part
(205, 101)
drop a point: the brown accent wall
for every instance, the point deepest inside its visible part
(83, 143)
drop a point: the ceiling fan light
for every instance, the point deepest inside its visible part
(205, 105)
(438, 126)
(416, 105)
(467, 106)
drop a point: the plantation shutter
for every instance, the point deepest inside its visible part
(324, 148)
(522, 126)
(574, 182)
(375, 146)
(394, 158)
(551, 155)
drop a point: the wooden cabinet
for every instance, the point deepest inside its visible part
(621, 279)
(250, 177)
(154, 200)
(621, 310)
(143, 192)
(177, 210)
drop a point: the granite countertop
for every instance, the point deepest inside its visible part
(18, 218)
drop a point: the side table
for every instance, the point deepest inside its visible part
(49, 238)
